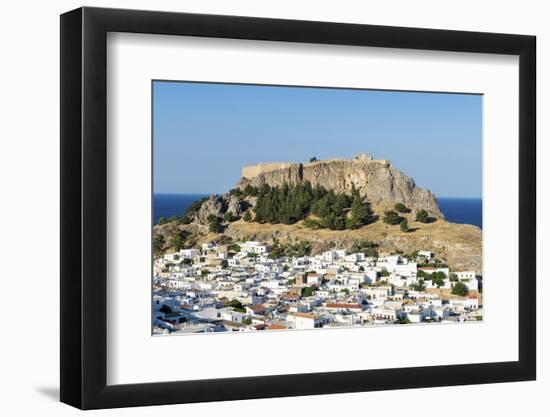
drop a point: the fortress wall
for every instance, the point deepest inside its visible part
(322, 161)
(251, 171)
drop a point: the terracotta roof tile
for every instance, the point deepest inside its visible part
(343, 305)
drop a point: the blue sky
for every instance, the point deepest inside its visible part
(203, 133)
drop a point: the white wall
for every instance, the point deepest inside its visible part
(29, 173)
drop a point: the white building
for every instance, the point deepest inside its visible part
(313, 279)
(254, 247)
(172, 257)
(307, 320)
(382, 313)
(466, 275)
(469, 279)
(188, 253)
(377, 293)
(417, 316)
(329, 256)
(355, 257)
(206, 247)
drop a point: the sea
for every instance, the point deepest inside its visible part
(456, 210)
(462, 210)
(168, 205)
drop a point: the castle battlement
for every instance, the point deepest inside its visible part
(252, 171)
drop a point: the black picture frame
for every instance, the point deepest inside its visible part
(84, 207)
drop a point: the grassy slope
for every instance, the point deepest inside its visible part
(459, 244)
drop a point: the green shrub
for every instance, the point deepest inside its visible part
(401, 208)
(422, 216)
(392, 217)
(460, 289)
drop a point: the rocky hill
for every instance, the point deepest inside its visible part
(233, 216)
(381, 183)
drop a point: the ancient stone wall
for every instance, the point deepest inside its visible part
(251, 171)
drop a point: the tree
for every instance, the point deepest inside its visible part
(312, 223)
(330, 208)
(392, 217)
(366, 247)
(401, 208)
(250, 190)
(313, 159)
(215, 223)
(236, 192)
(277, 250)
(225, 264)
(460, 289)
(223, 240)
(360, 212)
(290, 203)
(177, 241)
(158, 245)
(308, 291)
(422, 216)
(247, 217)
(235, 305)
(162, 220)
(303, 248)
(371, 253)
(438, 278)
(229, 216)
(404, 225)
(419, 285)
(299, 249)
(234, 248)
(285, 204)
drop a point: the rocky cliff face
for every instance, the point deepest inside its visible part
(383, 184)
(215, 205)
(218, 205)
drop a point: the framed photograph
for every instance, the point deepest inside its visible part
(260, 208)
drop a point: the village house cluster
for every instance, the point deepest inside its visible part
(241, 287)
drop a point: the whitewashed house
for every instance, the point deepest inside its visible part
(313, 279)
(307, 320)
(188, 253)
(254, 247)
(377, 293)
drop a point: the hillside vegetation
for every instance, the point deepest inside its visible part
(328, 204)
